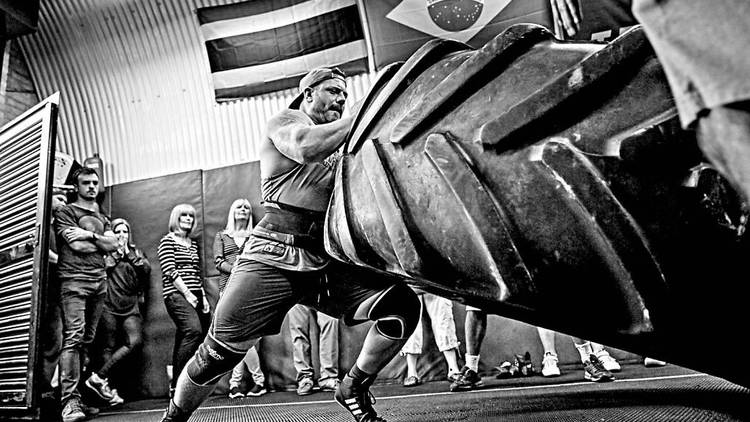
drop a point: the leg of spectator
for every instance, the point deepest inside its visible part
(299, 329)
(475, 327)
(74, 314)
(252, 362)
(107, 330)
(189, 331)
(444, 329)
(132, 328)
(550, 360)
(411, 350)
(328, 350)
(51, 336)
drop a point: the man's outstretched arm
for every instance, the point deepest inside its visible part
(304, 143)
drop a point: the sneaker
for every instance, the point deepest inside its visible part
(256, 391)
(72, 411)
(90, 411)
(651, 362)
(329, 384)
(593, 370)
(522, 367)
(412, 381)
(357, 400)
(100, 386)
(305, 386)
(235, 392)
(116, 399)
(610, 363)
(453, 375)
(467, 380)
(174, 414)
(504, 370)
(549, 365)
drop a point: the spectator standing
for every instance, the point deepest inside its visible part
(301, 318)
(183, 292)
(128, 274)
(84, 237)
(228, 244)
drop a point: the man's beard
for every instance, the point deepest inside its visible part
(337, 108)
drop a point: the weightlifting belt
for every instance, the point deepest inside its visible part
(291, 226)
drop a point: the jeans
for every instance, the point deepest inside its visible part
(111, 326)
(192, 326)
(82, 305)
(300, 318)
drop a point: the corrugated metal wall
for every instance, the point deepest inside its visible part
(136, 88)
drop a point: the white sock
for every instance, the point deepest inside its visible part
(585, 351)
(472, 362)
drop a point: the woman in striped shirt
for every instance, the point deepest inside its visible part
(183, 287)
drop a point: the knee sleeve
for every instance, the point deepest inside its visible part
(211, 362)
(396, 311)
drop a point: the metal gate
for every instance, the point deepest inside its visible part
(27, 147)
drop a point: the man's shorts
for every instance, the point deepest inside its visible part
(258, 296)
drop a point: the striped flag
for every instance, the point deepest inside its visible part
(262, 46)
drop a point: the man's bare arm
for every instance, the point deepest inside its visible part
(83, 246)
(305, 143)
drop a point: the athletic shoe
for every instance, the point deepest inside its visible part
(305, 386)
(175, 414)
(610, 364)
(522, 367)
(453, 375)
(236, 393)
(329, 384)
(593, 370)
(116, 399)
(504, 370)
(100, 386)
(89, 411)
(256, 391)
(651, 362)
(467, 380)
(549, 365)
(72, 411)
(412, 381)
(357, 400)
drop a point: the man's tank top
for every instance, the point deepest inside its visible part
(307, 186)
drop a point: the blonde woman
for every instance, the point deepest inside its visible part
(228, 244)
(183, 287)
(230, 241)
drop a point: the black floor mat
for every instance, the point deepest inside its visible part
(645, 395)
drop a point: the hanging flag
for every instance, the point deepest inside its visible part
(399, 27)
(262, 46)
